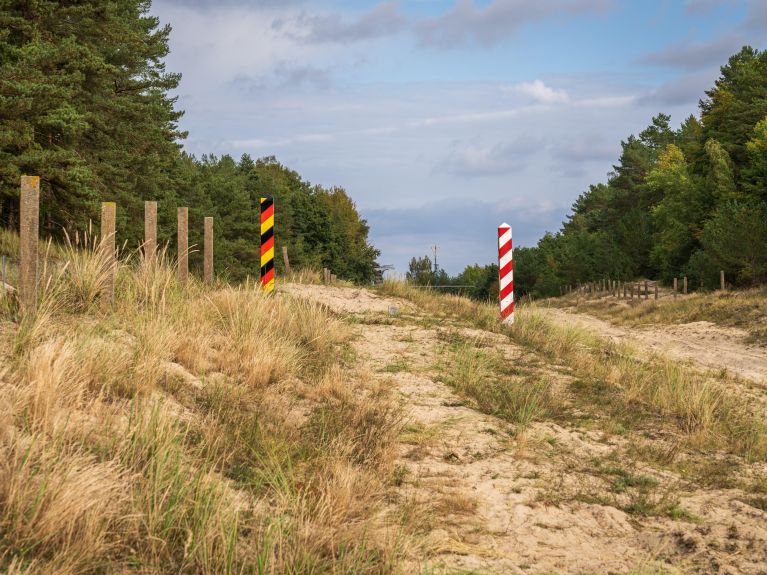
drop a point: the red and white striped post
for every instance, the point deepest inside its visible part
(506, 274)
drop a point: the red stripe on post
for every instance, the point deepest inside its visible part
(505, 273)
(267, 213)
(269, 244)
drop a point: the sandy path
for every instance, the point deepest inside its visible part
(701, 343)
(485, 506)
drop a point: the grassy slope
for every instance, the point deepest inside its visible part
(744, 309)
(196, 430)
(707, 409)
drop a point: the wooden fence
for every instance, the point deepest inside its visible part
(29, 231)
(29, 243)
(628, 289)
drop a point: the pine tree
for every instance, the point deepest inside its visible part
(84, 104)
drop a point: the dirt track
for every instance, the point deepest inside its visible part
(701, 343)
(485, 504)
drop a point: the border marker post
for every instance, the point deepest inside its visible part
(267, 243)
(506, 273)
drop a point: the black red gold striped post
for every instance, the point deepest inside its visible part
(267, 243)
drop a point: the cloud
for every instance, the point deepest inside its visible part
(383, 20)
(582, 149)
(540, 92)
(757, 16)
(473, 161)
(287, 76)
(469, 23)
(702, 6)
(695, 55)
(251, 4)
(686, 89)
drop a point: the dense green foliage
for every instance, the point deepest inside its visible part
(84, 104)
(689, 201)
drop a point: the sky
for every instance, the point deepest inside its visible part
(444, 118)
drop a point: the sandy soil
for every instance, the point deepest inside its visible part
(701, 343)
(483, 503)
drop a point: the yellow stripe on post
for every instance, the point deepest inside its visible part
(267, 244)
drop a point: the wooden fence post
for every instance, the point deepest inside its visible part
(150, 231)
(108, 244)
(29, 228)
(183, 245)
(684, 285)
(721, 280)
(285, 259)
(624, 290)
(208, 250)
(646, 289)
(676, 287)
(656, 290)
(632, 291)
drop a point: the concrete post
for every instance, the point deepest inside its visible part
(285, 259)
(108, 245)
(208, 251)
(183, 245)
(150, 230)
(29, 228)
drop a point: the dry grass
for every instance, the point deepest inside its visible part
(711, 414)
(479, 314)
(744, 309)
(483, 375)
(708, 410)
(185, 430)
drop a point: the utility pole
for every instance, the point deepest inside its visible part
(434, 248)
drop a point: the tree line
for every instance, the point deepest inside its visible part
(687, 201)
(84, 103)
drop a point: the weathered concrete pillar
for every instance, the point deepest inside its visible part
(208, 251)
(150, 230)
(29, 228)
(183, 245)
(285, 259)
(108, 245)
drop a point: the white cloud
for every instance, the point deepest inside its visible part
(540, 92)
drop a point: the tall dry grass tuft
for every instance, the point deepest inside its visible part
(87, 273)
(59, 506)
